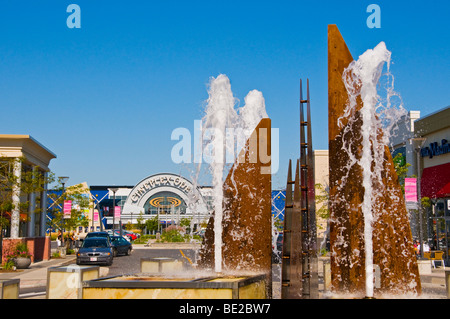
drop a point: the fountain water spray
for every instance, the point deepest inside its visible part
(361, 79)
(222, 123)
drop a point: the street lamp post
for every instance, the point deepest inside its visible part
(418, 143)
(114, 190)
(63, 180)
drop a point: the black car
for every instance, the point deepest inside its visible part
(98, 234)
(95, 250)
(120, 245)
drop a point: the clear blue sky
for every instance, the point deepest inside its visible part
(105, 98)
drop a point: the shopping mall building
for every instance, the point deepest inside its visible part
(166, 196)
(424, 143)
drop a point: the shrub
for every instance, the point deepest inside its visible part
(9, 265)
(21, 250)
(172, 236)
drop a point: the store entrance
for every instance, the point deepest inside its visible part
(440, 229)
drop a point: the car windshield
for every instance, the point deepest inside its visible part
(97, 235)
(100, 243)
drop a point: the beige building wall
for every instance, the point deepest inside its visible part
(321, 177)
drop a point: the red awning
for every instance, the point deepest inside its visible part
(435, 181)
(444, 192)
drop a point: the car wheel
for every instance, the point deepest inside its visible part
(115, 252)
(128, 252)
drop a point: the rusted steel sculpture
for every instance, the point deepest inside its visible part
(299, 257)
(247, 219)
(392, 240)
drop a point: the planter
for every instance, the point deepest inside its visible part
(22, 262)
(188, 286)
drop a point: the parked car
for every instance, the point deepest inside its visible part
(120, 245)
(109, 232)
(130, 234)
(127, 234)
(98, 234)
(95, 250)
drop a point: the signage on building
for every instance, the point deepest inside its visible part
(159, 181)
(117, 212)
(436, 149)
(411, 190)
(67, 208)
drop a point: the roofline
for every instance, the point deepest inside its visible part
(22, 136)
(433, 113)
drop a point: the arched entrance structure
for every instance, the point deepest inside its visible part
(166, 195)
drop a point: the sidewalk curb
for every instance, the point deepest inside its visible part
(33, 283)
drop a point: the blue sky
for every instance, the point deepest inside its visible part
(105, 98)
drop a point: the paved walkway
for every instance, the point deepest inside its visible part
(433, 285)
(36, 274)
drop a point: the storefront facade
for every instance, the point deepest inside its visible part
(435, 176)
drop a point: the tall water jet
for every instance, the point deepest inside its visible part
(220, 115)
(242, 202)
(361, 78)
(369, 223)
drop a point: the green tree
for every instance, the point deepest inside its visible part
(401, 167)
(152, 224)
(78, 194)
(323, 198)
(278, 223)
(129, 226)
(185, 222)
(140, 222)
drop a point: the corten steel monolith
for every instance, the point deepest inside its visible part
(299, 273)
(247, 219)
(392, 240)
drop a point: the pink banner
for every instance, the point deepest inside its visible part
(411, 190)
(95, 216)
(117, 212)
(67, 208)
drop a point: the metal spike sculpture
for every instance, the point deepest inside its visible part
(299, 258)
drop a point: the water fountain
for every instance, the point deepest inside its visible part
(369, 223)
(238, 237)
(235, 259)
